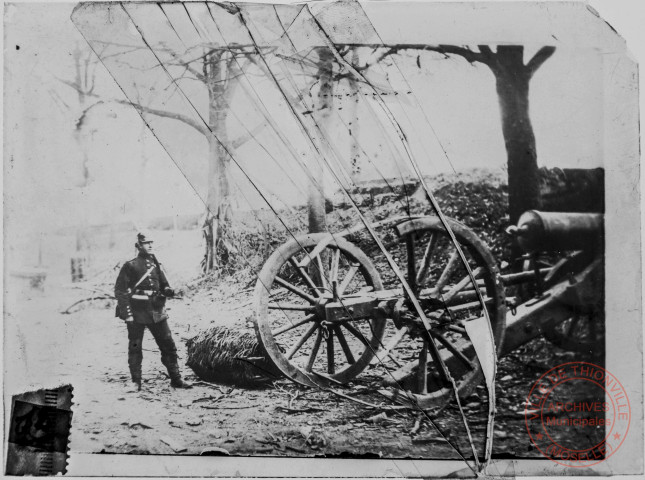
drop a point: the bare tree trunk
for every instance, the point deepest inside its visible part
(219, 72)
(512, 80)
(143, 166)
(79, 261)
(80, 140)
(81, 91)
(354, 131)
(219, 212)
(316, 201)
(219, 197)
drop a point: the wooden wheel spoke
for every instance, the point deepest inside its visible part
(456, 329)
(348, 278)
(333, 272)
(357, 333)
(291, 326)
(425, 263)
(324, 281)
(290, 306)
(345, 346)
(453, 349)
(335, 262)
(453, 262)
(461, 285)
(441, 367)
(458, 307)
(292, 288)
(301, 342)
(314, 351)
(331, 367)
(468, 296)
(304, 275)
(412, 273)
(422, 369)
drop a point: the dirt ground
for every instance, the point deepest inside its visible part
(88, 350)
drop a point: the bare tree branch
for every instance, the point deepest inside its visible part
(538, 59)
(58, 100)
(469, 55)
(86, 72)
(220, 51)
(77, 88)
(465, 52)
(116, 44)
(387, 53)
(486, 53)
(242, 139)
(163, 113)
(97, 59)
(203, 129)
(186, 65)
(118, 54)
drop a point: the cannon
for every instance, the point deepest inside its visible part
(325, 310)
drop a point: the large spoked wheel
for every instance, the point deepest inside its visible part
(450, 302)
(291, 320)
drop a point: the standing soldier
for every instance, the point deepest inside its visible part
(141, 290)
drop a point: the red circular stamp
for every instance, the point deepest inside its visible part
(577, 414)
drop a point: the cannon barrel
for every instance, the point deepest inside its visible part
(558, 231)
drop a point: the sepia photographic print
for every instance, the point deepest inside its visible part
(338, 238)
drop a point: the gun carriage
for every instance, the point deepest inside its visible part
(325, 310)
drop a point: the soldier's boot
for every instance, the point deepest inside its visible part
(175, 376)
(163, 337)
(172, 365)
(135, 373)
(177, 382)
(135, 352)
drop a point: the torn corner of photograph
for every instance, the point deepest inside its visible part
(39, 432)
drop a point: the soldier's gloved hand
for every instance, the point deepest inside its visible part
(168, 292)
(129, 319)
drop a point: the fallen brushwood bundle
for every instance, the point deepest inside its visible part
(228, 356)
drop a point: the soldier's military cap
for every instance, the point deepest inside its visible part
(144, 237)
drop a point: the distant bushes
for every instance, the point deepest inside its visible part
(477, 198)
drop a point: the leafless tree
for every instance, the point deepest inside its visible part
(316, 201)
(512, 77)
(354, 124)
(83, 83)
(217, 70)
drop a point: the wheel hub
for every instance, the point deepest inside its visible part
(350, 309)
(319, 309)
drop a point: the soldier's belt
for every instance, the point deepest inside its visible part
(143, 294)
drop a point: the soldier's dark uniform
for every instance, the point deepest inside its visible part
(145, 304)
